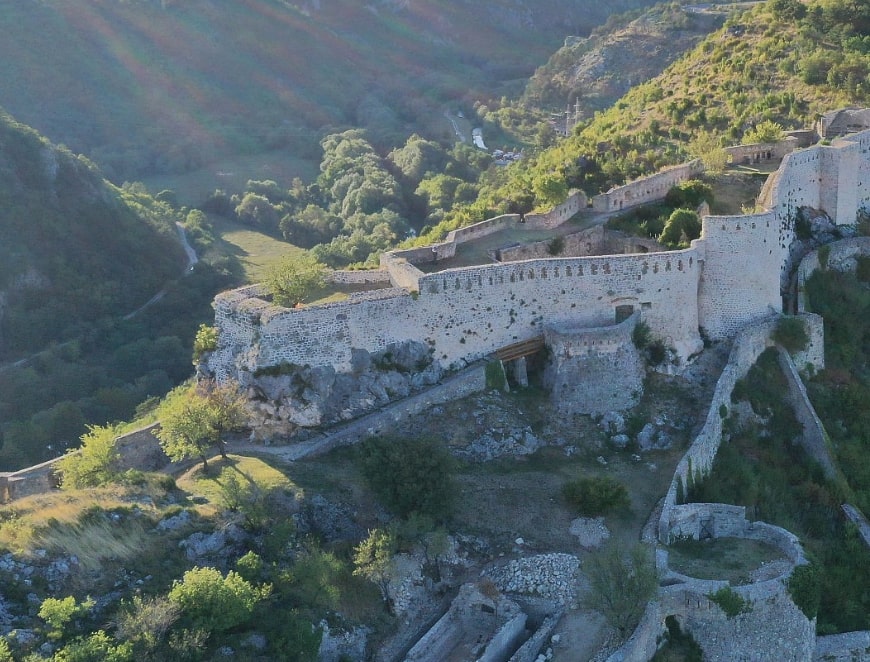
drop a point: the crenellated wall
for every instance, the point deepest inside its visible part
(647, 189)
(730, 278)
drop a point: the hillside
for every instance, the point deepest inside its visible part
(593, 72)
(151, 87)
(776, 65)
(73, 248)
(780, 61)
(77, 257)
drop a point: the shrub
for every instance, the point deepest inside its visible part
(595, 495)
(213, 602)
(495, 377)
(641, 336)
(805, 589)
(730, 601)
(144, 622)
(205, 341)
(621, 584)
(57, 613)
(791, 333)
(656, 352)
(824, 254)
(556, 245)
(409, 475)
(96, 647)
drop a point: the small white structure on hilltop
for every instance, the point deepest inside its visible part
(729, 278)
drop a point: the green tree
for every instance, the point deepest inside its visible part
(374, 559)
(550, 189)
(214, 602)
(295, 279)
(766, 131)
(682, 226)
(705, 146)
(95, 463)
(621, 584)
(197, 419)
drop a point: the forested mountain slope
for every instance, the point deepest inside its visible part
(779, 64)
(77, 255)
(73, 248)
(593, 72)
(151, 86)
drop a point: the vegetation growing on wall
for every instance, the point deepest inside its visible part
(761, 468)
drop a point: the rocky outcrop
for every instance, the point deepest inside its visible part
(289, 397)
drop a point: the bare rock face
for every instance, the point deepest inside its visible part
(289, 398)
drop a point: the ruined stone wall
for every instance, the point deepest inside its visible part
(838, 185)
(739, 281)
(575, 202)
(597, 240)
(759, 152)
(138, 449)
(774, 631)
(841, 256)
(361, 277)
(813, 438)
(402, 272)
(647, 189)
(748, 346)
(847, 647)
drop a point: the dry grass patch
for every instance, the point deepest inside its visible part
(25, 523)
(96, 540)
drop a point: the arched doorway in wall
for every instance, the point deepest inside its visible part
(622, 312)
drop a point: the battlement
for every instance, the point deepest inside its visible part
(729, 278)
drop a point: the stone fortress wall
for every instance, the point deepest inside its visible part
(595, 370)
(647, 189)
(722, 283)
(786, 634)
